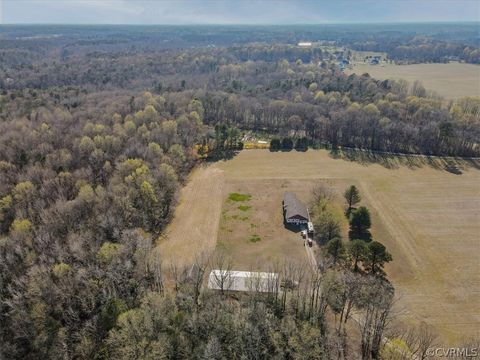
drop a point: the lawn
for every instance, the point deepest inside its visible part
(425, 210)
(452, 81)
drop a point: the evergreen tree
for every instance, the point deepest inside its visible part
(352, 195)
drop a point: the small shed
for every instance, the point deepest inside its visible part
(242, 281)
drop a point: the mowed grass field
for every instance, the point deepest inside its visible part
(451, 81)
(252, 231)
(426, 211)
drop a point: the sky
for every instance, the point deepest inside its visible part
(234, 11)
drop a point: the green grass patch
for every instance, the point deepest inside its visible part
(244, 207)
(238, 217)
(255, 238)
(239, 197)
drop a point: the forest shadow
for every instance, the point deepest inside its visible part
(454, 165)
(221, 155)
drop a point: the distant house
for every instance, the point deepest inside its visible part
(294, 211)
(242, 281)
(304, 44)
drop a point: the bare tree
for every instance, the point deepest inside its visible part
(197, 275)
(223, 276)
(418, 339)
(155, 268)
(322, 192)
(376, 301)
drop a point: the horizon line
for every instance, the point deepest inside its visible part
(251, 24)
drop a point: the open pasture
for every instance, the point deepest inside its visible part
(451, 81)
(425, 210)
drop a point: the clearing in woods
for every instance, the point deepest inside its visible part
(425, 210)
(452, 80)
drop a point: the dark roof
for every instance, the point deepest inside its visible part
(293, 206)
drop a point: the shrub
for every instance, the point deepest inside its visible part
(287, 144)
(275, 144)
(301, 144)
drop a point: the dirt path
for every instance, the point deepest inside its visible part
(194, 227)
(310, 256)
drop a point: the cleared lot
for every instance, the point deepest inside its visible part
(428, 217)
(253, 232)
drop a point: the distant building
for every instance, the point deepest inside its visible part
(304, 44)
(294, 211)
(242, 281)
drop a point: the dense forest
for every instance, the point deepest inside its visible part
(99, 128)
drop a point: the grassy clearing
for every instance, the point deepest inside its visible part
(452, 81)
(239, 197)
(262, 241)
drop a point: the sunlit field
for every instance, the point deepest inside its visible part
(452, 81)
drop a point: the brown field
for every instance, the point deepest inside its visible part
(194, 228)
(451, 81)
(426, 211)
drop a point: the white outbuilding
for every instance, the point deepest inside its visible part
(242, 281)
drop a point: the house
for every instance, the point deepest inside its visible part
(243, 281)
(294, 211)
(304, 44)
